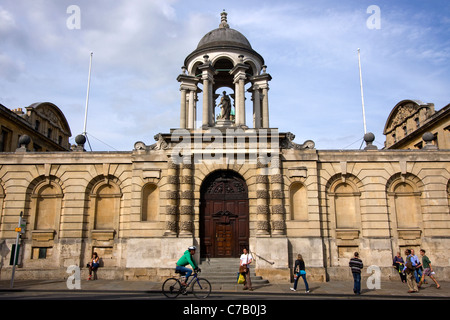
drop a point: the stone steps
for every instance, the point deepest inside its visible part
(225, 271)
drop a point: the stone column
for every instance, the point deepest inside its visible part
(211, 104)
(205, 118)
(262, 83)
(265, 107)
(183, 109)
(186, 224)
(208, 79)
(262, 200)
(188, 84)
(257, 121)
(172, 199)
(237, 115)
(239, 90)
(277, 217)
(191, 112)
(242, 100)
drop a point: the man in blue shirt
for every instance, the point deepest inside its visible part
(418, 271)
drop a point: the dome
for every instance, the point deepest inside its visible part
(224, 37)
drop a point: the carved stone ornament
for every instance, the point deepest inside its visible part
(187, 210)
(262, 225)
(403, 113)
(160, 144)
(171, 226)
(171, 210)
(277, 209)
(262, 209)
(186, 226)
(288, 144)
(278, 225)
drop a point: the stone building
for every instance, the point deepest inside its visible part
(224, 185)
(43, 124)
(411, 119)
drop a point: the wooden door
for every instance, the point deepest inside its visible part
(224, 224)
(224, 239)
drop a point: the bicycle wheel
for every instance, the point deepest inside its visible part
(201, 288)
(171, 288)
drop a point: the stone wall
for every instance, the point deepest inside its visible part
(323, 205)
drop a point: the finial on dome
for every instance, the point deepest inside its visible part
(223, 20)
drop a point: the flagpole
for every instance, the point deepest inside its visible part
(362, 94)
(87, 95)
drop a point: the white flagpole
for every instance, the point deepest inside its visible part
(87, 95)
(362, 94)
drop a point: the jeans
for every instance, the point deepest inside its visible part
(304, 279)
(185, 270)
(356, 283)
(418, 274)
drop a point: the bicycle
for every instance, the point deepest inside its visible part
(201, 288)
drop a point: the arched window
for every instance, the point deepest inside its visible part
(407, 206)
(299, 202)
(47, 203)
(107, 206)
(150, 202)
(345, 204)
(48, 206)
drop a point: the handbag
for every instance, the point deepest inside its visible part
(243, 269)
(241, 279)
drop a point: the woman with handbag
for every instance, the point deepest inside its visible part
(244, 269)
(299, 271)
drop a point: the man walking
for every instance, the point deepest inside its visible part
(428, 269)
(356, 265)
(410, 267)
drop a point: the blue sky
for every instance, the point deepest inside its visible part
(310, 49)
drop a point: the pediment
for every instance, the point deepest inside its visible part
(401, 112)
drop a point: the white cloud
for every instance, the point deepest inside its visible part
(139, 47)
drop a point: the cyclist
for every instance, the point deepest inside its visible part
(187, 258)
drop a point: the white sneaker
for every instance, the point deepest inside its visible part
(307, 291)
(292, 289)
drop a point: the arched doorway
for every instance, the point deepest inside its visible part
(224, 216)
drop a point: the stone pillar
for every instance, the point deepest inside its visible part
(186, 224)
(211, 104)
(183, 109)
(237, 114)
(257, 120)
(239, 89)
(241, 85)
(277, 217)
(191, 112)
(262, 200)
(206, 108)
(208, 80)
(188, 84)
(265, 108)
(261, 82)
(172, 199)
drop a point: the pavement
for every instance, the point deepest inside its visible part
(53, 289)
